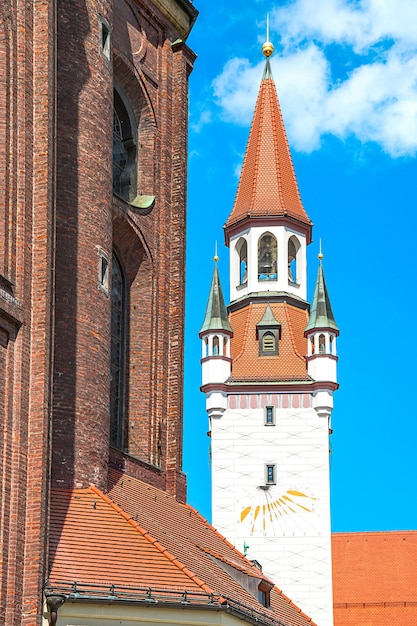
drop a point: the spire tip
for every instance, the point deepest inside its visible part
(268, 47)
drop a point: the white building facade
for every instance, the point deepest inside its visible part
(269, 385)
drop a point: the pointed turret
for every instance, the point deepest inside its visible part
(321, 315)
(268, 227)
(215, 334)
(216, 313)
(321, 332)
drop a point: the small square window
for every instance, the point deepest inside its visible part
(269, 416)
(270, 474)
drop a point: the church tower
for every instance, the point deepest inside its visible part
(269, 402)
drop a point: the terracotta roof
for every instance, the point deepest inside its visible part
(267, 186)
(290, 363)
(374, 578)
(138, 537)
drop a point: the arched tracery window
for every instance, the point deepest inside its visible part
(117, 354)
(267, 257)
(124, 151)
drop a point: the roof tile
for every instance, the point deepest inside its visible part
(289, 364)
(268, 185)
(137, 536)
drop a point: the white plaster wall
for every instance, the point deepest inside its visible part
(322, 368)
(282, 234)
(291, 543)
(215, 370)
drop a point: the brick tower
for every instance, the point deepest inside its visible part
(93, 130)
(269, 373)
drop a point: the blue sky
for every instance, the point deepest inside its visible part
(346, 75)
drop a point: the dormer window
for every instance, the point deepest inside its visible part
(269, 343)
(267, 257)
(268, 331)
(264, 590)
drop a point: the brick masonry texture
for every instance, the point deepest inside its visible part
(57, 212)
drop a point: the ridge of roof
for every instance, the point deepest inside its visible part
(379, 533)
(246, 570)
(152, 540)
(268, 184)
(300, 356)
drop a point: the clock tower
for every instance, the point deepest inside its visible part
(269, 373)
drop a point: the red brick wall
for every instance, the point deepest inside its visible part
(56, 212)
(83, 224)
(26, 51)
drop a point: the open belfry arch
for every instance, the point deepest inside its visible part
(269, 396)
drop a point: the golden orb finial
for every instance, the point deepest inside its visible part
(320, 254)
(267, 49)
(215, 258)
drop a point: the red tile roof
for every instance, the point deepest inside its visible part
(267, 186)
(374, 578)
(290, 363)
(138, 537)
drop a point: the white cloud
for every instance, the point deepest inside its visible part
(205, 118)
(377, 99)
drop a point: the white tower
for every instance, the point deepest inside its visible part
(269, 409)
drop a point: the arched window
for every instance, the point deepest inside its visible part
(267, 257)
(215, 346)
(293, 248)
(322, 344)
(124, 151)
(117, 354)
(242, 250)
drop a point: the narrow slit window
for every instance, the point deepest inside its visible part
(269, 416)
(103, 272)
(242, 250)
(105, 40)
(270, 474)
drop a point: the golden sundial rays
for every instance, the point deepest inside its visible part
(274, 508)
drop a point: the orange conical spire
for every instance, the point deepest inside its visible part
(268, 186)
